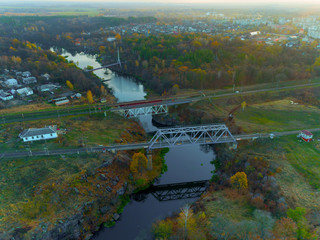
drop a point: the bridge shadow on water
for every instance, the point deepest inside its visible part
(173, 191)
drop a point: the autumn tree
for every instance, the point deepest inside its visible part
(243, 105)
(303, 228)
(239, 181)
(118, 37)
(285, 228)
(187, 221)
(175, 89)
(163, 229)
(264, 221)
(138, 163)
(69, 84)
(103, 91)
(102, 49)
(89, 96)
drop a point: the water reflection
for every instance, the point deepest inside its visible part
(124, 88)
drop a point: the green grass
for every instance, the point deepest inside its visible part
(277, 120)
(304, 157)
(236, 209)
(88, 130)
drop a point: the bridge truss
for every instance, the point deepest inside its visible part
(174, 191)
(204, 134)
(135, 112)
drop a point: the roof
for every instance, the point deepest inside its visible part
(306, 132)
(36, 132)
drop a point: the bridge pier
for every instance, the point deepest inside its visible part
(149, 157)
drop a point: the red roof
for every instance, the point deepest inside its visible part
(306, 132)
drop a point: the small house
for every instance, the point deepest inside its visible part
(35, 134)
(46, 76)
(29, 80)
(26, 74)
(306, 136)
(5, 96)
(11, 82)
(47, 87)
(25, 91)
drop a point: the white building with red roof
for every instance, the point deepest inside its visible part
(305, 135)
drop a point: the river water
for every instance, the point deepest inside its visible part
(185, 163)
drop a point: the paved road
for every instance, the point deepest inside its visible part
(120, 147)
(72, 111)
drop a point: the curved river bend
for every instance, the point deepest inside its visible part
(185, 163)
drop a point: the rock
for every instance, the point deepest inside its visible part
(116, 217)
(104, 209)
(109, 189)
(103, 177)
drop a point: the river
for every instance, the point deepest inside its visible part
(185, 163)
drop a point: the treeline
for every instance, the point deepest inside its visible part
(203, 61)
(52, 30)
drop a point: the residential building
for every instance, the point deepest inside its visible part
(47, 87)
(35, 134)
(46, 76)
(25, 91)
(26, 74)
(29, 80)
(11, 82)
(306, 136)
(5, 96)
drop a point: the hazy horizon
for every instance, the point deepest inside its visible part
(207, 2)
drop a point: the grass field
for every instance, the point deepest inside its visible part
(87, 130)
(279, 115)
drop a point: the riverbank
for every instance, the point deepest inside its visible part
(280, 174)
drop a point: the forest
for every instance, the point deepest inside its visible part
(202, 61)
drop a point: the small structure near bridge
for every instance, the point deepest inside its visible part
(306, 136)
(35, 134)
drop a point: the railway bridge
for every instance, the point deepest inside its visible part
(163, 138)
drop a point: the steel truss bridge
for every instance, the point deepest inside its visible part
(203, 134)
(174, 191)
(135, 112)
(164, 137)
(131, 110)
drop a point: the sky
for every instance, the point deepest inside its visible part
(255, 2)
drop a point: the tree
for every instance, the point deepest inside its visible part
(298, 216)
(138, 163)
(187, 220)
(175, 89)
(89, 96)
(69, 84)
(102, 49)
(264, 221)
(118, 37)
(243, 105)
(163, 229)
(239, 181)
(103, 91)
(285, 228)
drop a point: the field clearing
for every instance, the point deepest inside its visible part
(85, 130)
(279, 115)
(227, 203)
(299, 162)
(28, 108)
